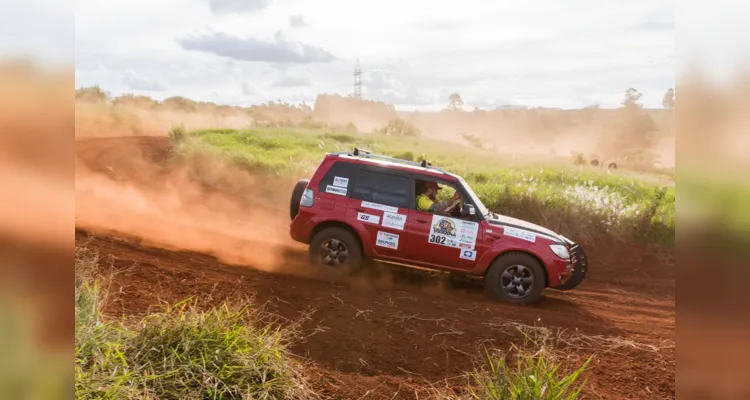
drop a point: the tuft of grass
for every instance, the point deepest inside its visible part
(180, 352)
(535, 376)
(529, 371)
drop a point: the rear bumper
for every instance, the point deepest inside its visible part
(300, 228)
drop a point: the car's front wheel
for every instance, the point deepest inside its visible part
(335, 252)
(515, 278)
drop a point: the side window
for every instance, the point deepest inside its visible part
(383, 188)
(340, 175)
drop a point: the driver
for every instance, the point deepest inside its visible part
(426, 199)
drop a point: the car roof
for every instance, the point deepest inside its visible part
(363, 157)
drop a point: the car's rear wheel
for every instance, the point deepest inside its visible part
(335, 252)
(515, 278)
(299, 190)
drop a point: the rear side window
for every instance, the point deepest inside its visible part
(340, 175)
(383, 188)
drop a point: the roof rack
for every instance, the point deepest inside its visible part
(369, 154)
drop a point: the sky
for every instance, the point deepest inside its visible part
(413, 54)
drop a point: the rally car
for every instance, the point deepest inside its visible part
(359, 205)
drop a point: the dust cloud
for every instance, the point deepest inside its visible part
(120, 190)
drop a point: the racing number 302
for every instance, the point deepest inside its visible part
(437, 239)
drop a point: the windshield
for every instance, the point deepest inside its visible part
(474, 198)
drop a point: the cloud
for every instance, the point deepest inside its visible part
(279, 49)
(384, 86)
(296, 21)
(292, 81)
(237, 6)
(139, 82)
(247, 90)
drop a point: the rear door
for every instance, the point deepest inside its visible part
(380, 205)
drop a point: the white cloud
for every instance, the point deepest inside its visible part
(534, 52)
(139, 82)
(296, 21)
(247, 90)
(279, 49)
(237, 6)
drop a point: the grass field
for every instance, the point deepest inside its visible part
(583, 203)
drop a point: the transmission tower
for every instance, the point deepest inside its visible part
(357, 81)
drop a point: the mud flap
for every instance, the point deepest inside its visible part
(580, 269)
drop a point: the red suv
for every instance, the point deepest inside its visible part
(361, 205)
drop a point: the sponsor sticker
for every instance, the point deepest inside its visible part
(453, 232)
(376, 206)
(373, 219)
(395, 221)
(520, 233)
(340, 182)
(336, 190)
(468, 254)
(385, 239)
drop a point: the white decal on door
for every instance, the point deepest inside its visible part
(376, 206)
(389, 240)
(373, 219)
(395, 221)
(468, 254)
(453, 232)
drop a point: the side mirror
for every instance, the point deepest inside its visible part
(468, 211)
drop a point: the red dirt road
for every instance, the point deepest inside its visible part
(385, 335)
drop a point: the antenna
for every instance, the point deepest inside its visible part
(357, 80)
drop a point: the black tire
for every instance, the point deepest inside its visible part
(335, 252)
(612, 165)
(530, 268)
(299, 189)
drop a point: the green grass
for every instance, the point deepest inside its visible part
(582, 203)
(534, 376)
(180, 352)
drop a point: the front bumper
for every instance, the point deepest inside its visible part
(577, 270)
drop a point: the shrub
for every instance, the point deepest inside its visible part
(181, 352)
(536, 375)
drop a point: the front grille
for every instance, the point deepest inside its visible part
(578, 257)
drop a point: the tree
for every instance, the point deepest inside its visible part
(631, 98)
(668, 100)
(455, 102)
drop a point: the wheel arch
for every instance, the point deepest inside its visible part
(534, 256)
(337, 224)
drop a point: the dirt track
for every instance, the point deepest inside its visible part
(382, 337)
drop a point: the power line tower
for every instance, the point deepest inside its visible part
(357, 81)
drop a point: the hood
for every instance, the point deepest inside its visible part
(502, 220)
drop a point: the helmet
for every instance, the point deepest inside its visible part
(431, 185)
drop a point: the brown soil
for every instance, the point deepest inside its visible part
(390, 333)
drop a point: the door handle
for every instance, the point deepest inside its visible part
(421, 221)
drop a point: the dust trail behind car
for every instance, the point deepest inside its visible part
(119, 188)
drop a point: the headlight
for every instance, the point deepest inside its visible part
(560, 250)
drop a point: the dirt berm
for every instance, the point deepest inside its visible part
(382, 336)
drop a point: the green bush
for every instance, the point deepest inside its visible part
(181, 352)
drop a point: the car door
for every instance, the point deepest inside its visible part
(379, 205)
(442, 241)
